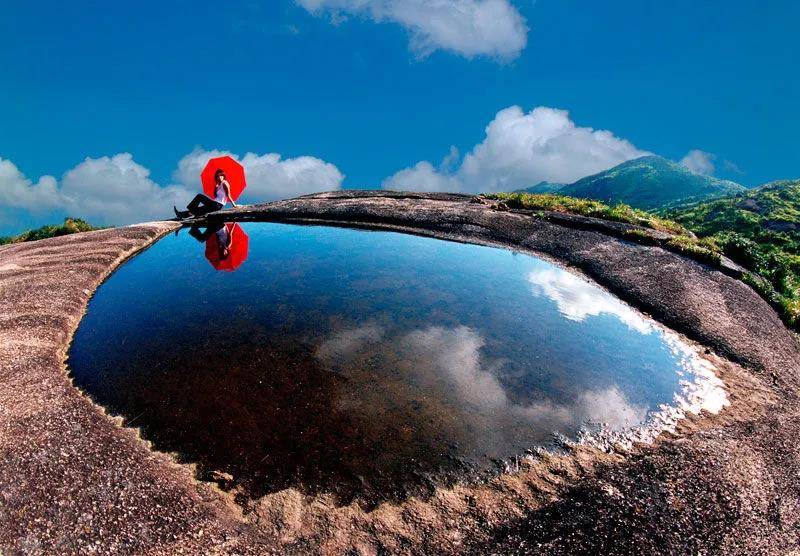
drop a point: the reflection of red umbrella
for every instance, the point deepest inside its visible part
(228, 248)
(234, 172)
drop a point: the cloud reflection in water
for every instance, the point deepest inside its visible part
(578, 299)
(447, 363)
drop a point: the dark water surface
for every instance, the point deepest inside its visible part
(368, 365)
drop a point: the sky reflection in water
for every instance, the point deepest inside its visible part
(369, 365)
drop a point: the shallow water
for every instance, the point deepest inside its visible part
(368, 365)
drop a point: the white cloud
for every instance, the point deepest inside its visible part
(106, 190)
(608, 406)
(699, 162)
(578, 299)
(436, 355)
(521, 149)
(424, 176)
(269, 177)
(116, 190)
(17, 191)
(470, 28)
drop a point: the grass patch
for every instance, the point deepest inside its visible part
(788, 306)
(588, 207)
(699, 249)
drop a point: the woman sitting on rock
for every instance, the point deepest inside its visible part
(203, 204)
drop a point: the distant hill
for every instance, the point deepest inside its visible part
(542, 187)
(650, 182)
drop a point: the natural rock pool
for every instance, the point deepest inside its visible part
(371, 365)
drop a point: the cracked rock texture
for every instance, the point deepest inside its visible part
(73, 480)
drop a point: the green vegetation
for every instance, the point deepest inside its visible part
(701, 249)
(70, 226)
(650, 182)
(760, 230)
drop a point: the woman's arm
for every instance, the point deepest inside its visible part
(227, 188)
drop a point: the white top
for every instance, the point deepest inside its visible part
(219, 194)
(222, 237)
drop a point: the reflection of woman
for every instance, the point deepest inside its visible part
(224, 238)
(202, 234)
(203, 204)
(224, 242)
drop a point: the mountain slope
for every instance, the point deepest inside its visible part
(650, 182)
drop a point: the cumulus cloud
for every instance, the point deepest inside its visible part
(521, 149)
(116, 190)
(17, 191)
(578, 299)
(699, 162)
(456, 390)
(106, 190)
(607, 406)
(269, 176)
(423, 176)
(470, 28)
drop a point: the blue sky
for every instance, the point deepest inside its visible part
(377, 95)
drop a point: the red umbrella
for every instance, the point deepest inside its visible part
(228, 248)
(234, 172)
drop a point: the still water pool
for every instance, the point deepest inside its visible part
(367, 365)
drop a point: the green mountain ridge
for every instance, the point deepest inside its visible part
(650, 182)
